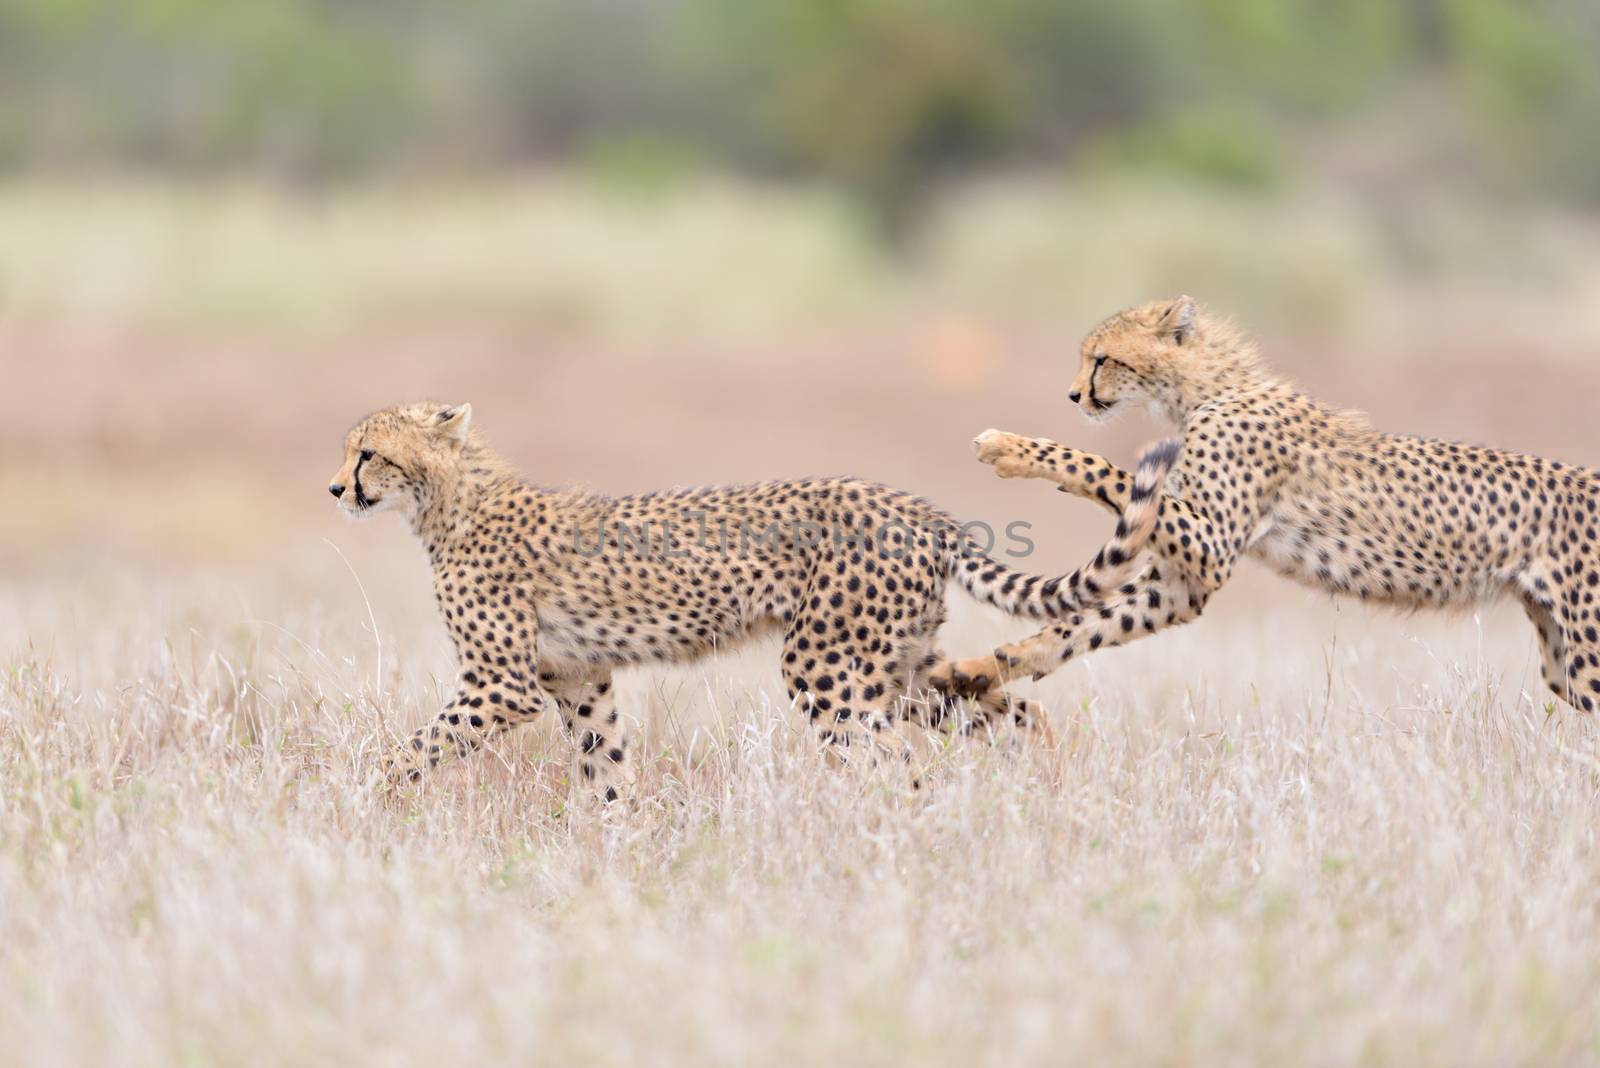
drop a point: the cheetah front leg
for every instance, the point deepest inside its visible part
(485, 705)
(1183, 534)
(1145, 606)
(1081, 473)
(589, 714)
(1553, 653)
(935, 708)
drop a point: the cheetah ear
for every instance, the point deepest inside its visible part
(453, 422)
(1178, 320)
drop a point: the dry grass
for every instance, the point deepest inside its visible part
(1328, 838)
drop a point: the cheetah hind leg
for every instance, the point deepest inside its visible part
(1003, 707)
(854, 717)
(604, 759)
(1553, 645)
(1583, 668)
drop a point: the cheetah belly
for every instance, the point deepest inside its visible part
(1296, 550)
(1315, 546)
(617, 639)
(1282, 546)
(1358, 553)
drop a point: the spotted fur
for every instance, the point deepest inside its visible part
(1316, 494)
(546, 592)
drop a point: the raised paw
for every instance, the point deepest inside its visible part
(1009, 454)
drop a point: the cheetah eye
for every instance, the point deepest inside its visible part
(366, 454)
(1100, 360)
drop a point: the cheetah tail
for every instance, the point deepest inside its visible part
(1114, 564)
(1035, 597)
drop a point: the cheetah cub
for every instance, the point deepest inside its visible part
(1312, 492)
(546, 592)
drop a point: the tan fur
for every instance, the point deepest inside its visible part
(546, 592)
(1314, 493)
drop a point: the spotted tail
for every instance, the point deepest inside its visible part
(1036, 597)
(1113, 565)
(1015, 592)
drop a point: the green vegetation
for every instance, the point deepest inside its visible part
(882, 97)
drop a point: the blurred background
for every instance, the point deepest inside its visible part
(684, 241)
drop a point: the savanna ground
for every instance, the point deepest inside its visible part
(1295, 832)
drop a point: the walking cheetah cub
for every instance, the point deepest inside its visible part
(546, 592)
(1315, 493)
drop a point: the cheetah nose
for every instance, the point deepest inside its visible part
(1075, 396)
(336, 489)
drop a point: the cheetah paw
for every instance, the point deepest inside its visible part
(965, 678)
(1007, 453)
(398, 769)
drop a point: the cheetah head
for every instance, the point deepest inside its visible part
(391, 457)
(1134, 356)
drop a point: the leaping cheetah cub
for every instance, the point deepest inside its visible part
(545, 592)
(1315, 493)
